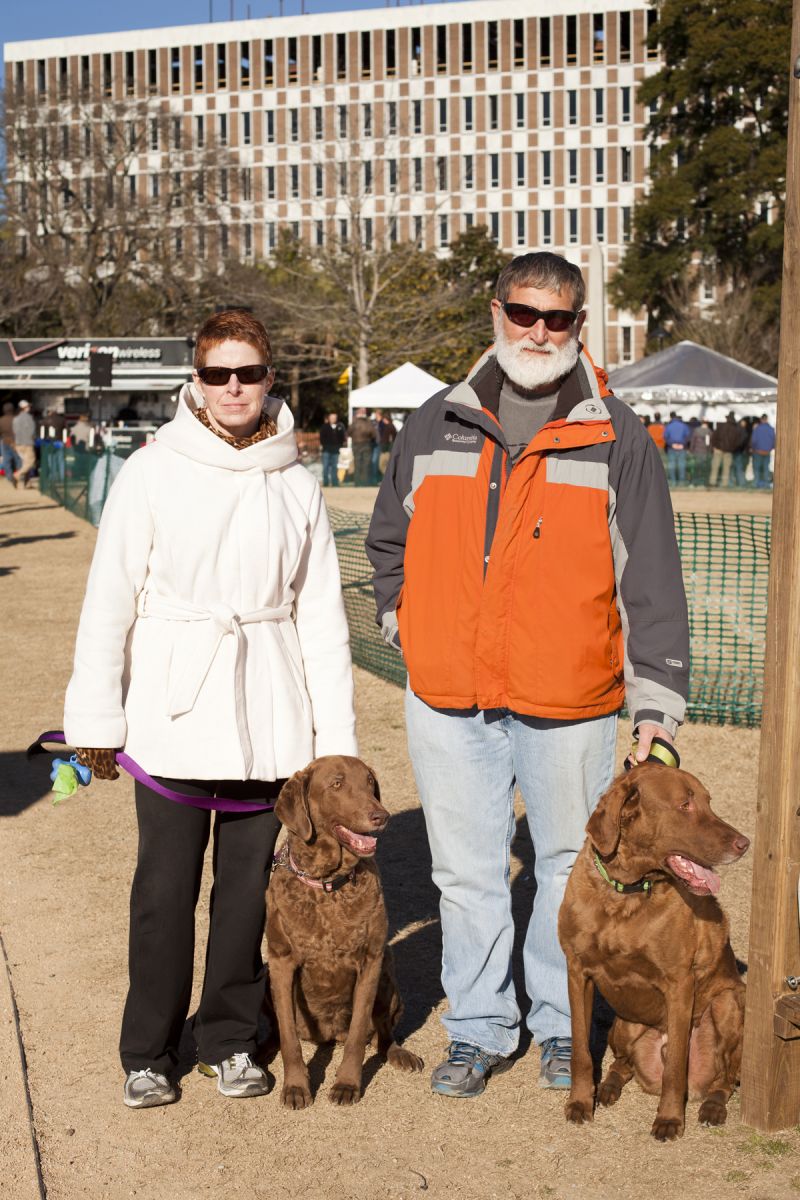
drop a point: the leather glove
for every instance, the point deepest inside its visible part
(100, 761)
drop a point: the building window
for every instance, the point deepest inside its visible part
(244, 65)
(269, 64)
(269, 126)
(625, 104)
(366, 120)
(466, 47)
(416, 109)
(519, 110)
(224, 241)
(197, 63)
(247, 124)
(442, 106)
(418, 230)
(572, 107)
(572, 166)
(598, 37)
(291, 60)
(393, 230)
(343, 184)
(295, 228)
(63, 77)
(248, 240)
(366, 54)
(319, 189)
(294, 181)
(41, 75)
(599, 165)
(521, 238)
(86, 72)
(391, 52)
(174, 68)
(222, 129)
(247, 184)
(625, 214)
(547, 111)
(494, 226)
(441, 173)
(544, 42)
(547, 227)
(318, 126)
(519, 162)
(547, 168)
(572, 39)
(627, 343)
(294, 125)
(176, 133)
(491, 45)
(624, 37)
(572, 226)
(416, 50)
(368, 177)
(494, 170)
(444, 234)
(270, 235)
(519, 42)
(222, 65)
(153, 133)
(494, 111)
(223, 185)
(468, 111)
(341, 56)
(468, 173)
(441, 49)
(391, 118)
(652, 37)
(316, 57)
(343, 231)
(392, 175)
(319, 233)
(368, 233)
(600, 224)
(599, 106)
(130, 78)
(624, 164)
(417, 174)
(154, 187)
(342, 120)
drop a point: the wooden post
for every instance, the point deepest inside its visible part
(771, 1062)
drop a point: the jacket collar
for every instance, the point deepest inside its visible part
(186, 435)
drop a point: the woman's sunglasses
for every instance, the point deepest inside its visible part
(555, 319)
(219, 376)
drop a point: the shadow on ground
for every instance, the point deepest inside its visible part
(22, 781)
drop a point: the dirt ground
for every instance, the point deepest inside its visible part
(64, 880)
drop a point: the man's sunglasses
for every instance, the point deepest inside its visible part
(555, 319)
(219, 376)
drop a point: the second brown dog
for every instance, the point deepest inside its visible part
(330, 968)
(641, 921)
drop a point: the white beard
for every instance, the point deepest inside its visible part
(531, 371)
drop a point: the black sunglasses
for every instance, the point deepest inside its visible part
(219, 376)
(555, 319)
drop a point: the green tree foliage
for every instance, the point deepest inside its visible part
(718, 137)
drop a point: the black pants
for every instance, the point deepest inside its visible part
(172, 842)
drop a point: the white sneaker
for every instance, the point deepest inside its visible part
(147, 1089)
(237, 1076)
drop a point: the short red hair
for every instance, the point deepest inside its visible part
(233, 325)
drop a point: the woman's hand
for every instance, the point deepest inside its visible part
(101, 761)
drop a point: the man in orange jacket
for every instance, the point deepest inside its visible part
(525, 561)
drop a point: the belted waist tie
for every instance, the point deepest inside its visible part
(223, 621)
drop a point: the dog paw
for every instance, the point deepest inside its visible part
(344, 1093)
(712, 1112)
(403, 1059)
(294, 1096)
(609, 1092)
(578, 1112)
(667, 1129)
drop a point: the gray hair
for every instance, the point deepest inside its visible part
(542, 270)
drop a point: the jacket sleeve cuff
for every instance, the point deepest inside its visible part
(335, 741)
(656, 718)
(106, 732)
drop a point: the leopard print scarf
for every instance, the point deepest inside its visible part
(266, 428)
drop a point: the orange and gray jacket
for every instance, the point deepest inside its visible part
(552, 588)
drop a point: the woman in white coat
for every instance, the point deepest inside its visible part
(213, 648)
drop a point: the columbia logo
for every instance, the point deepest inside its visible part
(461, 437)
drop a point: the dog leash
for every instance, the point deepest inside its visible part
(661, 751)
(132, 768)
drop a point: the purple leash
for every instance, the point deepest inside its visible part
(215, 803)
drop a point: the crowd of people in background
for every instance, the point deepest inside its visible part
(22, 433)
(371, 438)
(699, 454)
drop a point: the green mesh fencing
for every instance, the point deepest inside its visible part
(725, 568)
(725, 565)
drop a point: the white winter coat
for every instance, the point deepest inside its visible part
(213, 642)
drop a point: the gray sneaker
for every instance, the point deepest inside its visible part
(465, 1070)
(148, 1089)
(237, 1076)
(556, 1068)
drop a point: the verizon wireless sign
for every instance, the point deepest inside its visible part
(117, 352)
(40, 356)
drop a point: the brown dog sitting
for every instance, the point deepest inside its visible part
(330, 969)
(640, 920)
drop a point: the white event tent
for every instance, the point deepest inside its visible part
(404, 388)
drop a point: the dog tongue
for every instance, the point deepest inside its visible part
(362, 843)
(693, 874)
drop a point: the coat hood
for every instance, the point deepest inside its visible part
(186, 435)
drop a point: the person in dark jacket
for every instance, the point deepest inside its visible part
(332, 437)
(362, 435)
(725, 440)
(10, 458)
(741, 454)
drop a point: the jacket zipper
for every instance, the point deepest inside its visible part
(538, 528)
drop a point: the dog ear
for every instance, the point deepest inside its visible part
(291, 807)
(605, 822)
(376, 787)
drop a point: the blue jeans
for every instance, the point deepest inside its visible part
(11, 460)
(676, 466)
(467, 765)
(330, 468)
(761, 475)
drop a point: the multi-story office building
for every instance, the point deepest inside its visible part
(386, 124)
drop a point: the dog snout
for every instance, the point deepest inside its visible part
(378, 818)
(741, 844)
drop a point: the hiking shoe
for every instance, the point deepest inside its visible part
(237, 1076)
(465, 1070)
(147, 1089)
(556, 1068)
